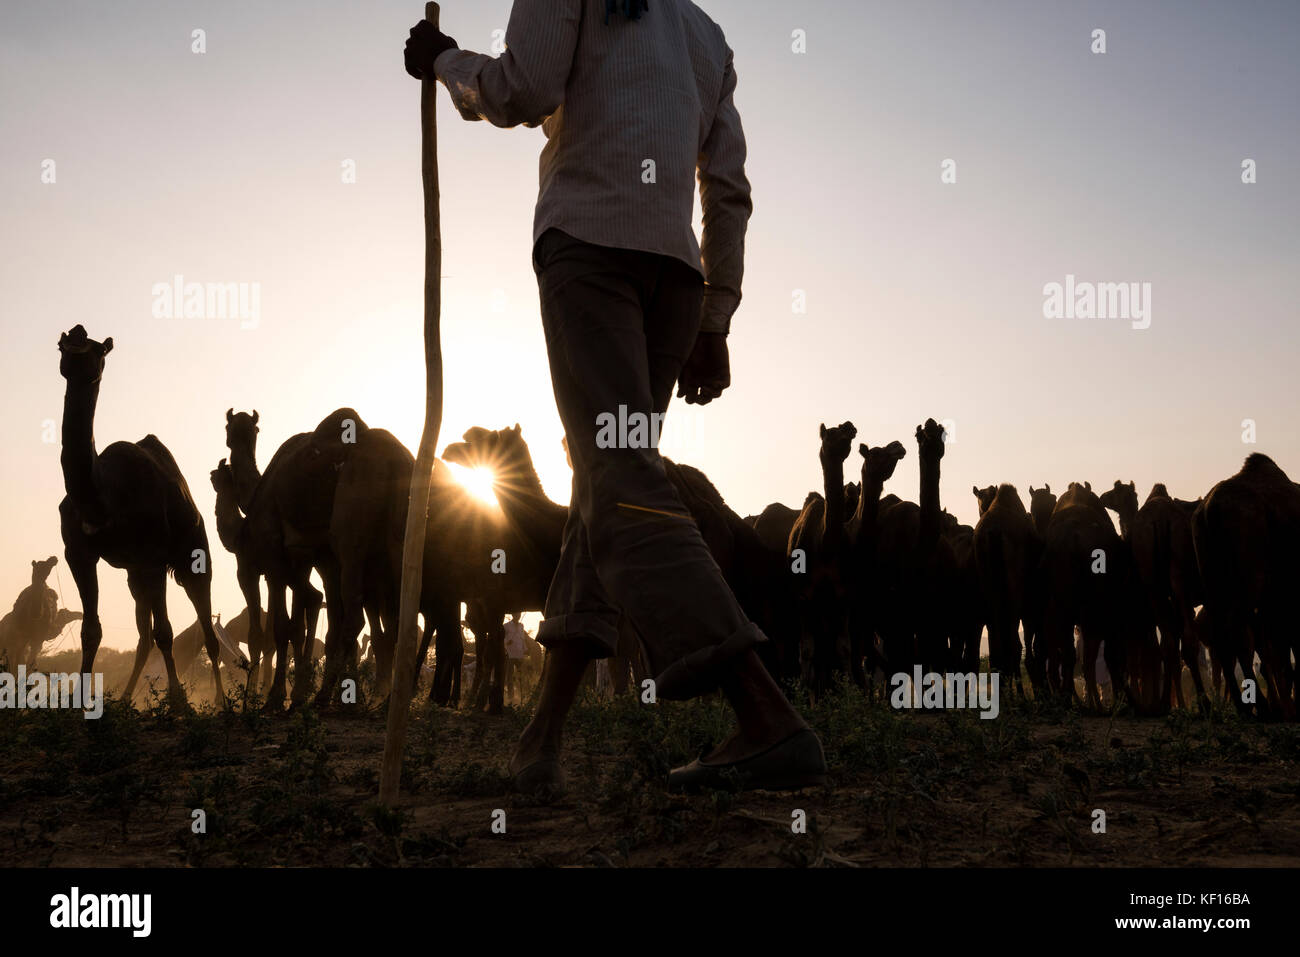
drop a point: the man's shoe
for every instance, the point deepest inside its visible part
(797, 762)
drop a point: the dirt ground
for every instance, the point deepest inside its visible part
(911, 789)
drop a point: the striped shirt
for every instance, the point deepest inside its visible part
(631, 110)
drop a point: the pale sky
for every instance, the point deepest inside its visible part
(924, 298)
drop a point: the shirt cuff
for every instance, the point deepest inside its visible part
(716, 313)
(441, 63)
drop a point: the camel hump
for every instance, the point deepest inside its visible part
(1260, 466)
(180, 504)
(1008, 496)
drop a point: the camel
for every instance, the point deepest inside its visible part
(241, 439)
(230, 531)
(819, 532)
(285, 534)
(773, 525)
(291, 463)
(35, 619)
(1164, 556)
(911, 569)
(1042, 503)
(878, 466)
(1086, 573)
(128, 505)
(1245, 532)
(366, 532)
(966, 607)
(1006, 554)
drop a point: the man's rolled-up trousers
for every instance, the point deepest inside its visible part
(619, 325)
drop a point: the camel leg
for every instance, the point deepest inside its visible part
(155, 585)
(1171, 647)
(1275, 664)
(199, 592)
(83, 566)
(384, 641)
(349, 621)
(250, 588)
(1091, 648)
(304, 666)
(496, 641)
(422, 655)
(279, 622)
(143, 626)
(449, 650)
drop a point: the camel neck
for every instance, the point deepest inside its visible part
(867, 510)
(929, 531)
(243, 465)
(78, 454)
(1126, 517)
(833, 477)
(229, 521)
(519, 487)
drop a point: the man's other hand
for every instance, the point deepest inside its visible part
(424, 46)
(707, 371)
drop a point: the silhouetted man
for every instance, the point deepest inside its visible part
(633, 102)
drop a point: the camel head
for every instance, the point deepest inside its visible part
(503, 452)
(241, 430)
(1041, 504)
(41, 570)
(223, 479)
(985, 496)
(837, 442)
(930, 439)
(1122, 498)
(81, 359)
(878, 464)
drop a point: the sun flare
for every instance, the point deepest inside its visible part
(477, 481)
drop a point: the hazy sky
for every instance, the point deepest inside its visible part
(924, 298)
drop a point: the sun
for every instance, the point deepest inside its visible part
(477, 481)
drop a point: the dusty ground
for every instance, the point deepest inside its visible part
(907, 789)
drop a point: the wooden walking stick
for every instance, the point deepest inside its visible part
(399, 699)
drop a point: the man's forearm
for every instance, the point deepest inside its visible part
(526, 83)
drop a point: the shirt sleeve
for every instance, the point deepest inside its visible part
(726, 204)
(526, 83)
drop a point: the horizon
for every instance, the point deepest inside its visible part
(924, 298)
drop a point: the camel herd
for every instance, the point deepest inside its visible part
(856, 582)
(889, 584)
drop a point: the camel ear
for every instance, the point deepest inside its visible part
(1088, 486)
(33, 563)
(518, 431)
(862, 449)
(822, 433)
(1047, 489)
(255, 417)
(108, 345)
(230, 414)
